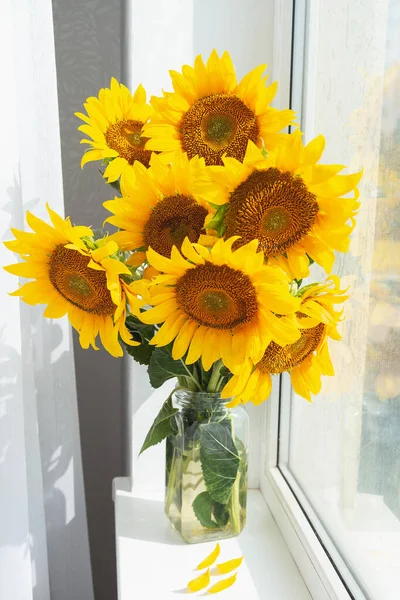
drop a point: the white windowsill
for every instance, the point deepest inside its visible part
(153, 561)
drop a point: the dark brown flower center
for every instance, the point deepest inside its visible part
(274, 207)
(216, 125)
(171, 220)
(125, 138)
(77, 283)
(217, 296)
(278, 359)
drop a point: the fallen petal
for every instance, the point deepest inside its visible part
(222, 585)
(200, 582)
(230, 565)
(210, 559)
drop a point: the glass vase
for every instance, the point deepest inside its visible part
(206, 467)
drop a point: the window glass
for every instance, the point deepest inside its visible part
(343, 450)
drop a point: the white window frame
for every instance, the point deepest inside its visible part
(322, 567)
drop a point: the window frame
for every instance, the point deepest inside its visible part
(322, 567)
(320, 564)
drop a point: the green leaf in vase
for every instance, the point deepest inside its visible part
(161, 427)
(202, 507)
(221, 514)
(219, 459)
(163, 367)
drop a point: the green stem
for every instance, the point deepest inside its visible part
(212, 384)
(187, 383)
(234, 501)
(234, 505)
(171, 483)
(191, 376)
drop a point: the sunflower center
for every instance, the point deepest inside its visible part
(216, 125)
(215, 301)
(218, 130)
(217, 296)
(274, 207)
(77, 283)
(275, 220)
(278, 359)
(171, 220)
(84, 287)
(125, 138)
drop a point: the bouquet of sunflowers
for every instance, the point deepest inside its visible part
(219, 218)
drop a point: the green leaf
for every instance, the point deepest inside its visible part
(146, 332)
(161, 427)
(219, 459)
(221, 229)
(202, 508)
(141, 354)
(141, 333)
(224, 371)
(99, 234)
(163, 367)
(217, 222)
(221, 514)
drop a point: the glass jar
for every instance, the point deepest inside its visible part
(206, 467)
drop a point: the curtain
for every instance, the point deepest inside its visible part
(44, 550)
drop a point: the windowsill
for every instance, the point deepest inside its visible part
(153, 561)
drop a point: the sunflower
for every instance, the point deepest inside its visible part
(306, 359)
(287, 201)
(219, 303)
(160, 206)
(210, 115)
(114, 122)
(76, 276)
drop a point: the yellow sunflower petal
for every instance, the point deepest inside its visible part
(237, 383)
(210, 558)
(264, 389)
(56, 309)
(200, 582)
(87, 332)
(299, 384)
(163, 264)
(183, 339)
(115, 169)
(211, 351)
(324, 360)
(313, 150)
(190, 253)
(222, 585)
(109, 337)
(26, 269)
(169, 330)
(90, 156)
(196, 345)
(159, 313)
(109, 248)
(230, 565)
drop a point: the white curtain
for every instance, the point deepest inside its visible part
(44, 551)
